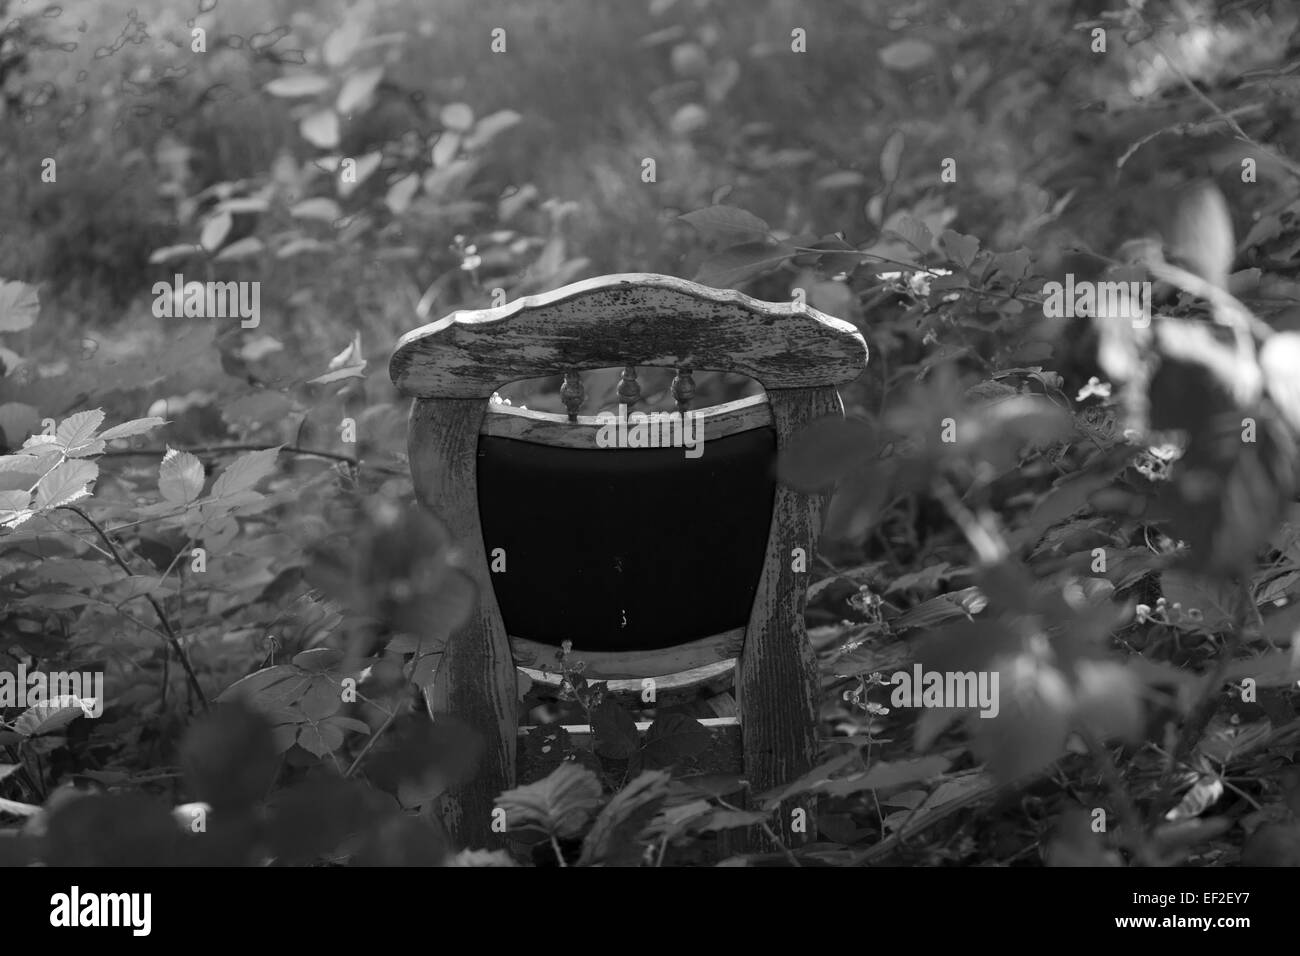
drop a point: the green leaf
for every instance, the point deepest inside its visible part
(65, 484)
(739, 263)
(180, 477)
(614, 731)
(321, 129)
(401, 193)
(908, 54)
(19, 305)
(215, 230)
(891, 155)
(490, 127)
(456, 116)
(244, 248)
(843, 179)
(47, 718)
(1201, 233)
(300, 84)
(321, 208)
(78, 430)
(358, 88)
(168, 253)
(245, 472)
(559, 805)
(729, 223)
(611, 839)
(320, 739)
(16, 500)
(912, 231)
(138, 426)
(961, 249)
(672, 737)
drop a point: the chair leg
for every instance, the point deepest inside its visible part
(476, 682)
(778, 685)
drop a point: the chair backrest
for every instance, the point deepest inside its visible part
(615, 533)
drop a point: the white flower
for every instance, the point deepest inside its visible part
(1094, 387)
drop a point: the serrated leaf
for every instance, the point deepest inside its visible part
(912, 231)
(611, 838)
(78, 430)
(300, 84)
(137, 426)
(729, 223)
(358, 88)
(559, 805)
(19, 305)
(65, 484)
(55, 715)
(180, 477)
(961, 249)
(245, 472)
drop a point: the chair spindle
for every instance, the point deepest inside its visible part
(572, 394)
(629, 389)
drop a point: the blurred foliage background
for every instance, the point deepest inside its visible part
(376, 165)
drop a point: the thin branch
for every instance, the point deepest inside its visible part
(221, 449)
(1232, 124)
(162, 617)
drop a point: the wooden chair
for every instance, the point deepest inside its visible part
(653, 564)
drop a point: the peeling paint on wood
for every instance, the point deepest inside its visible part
(627, 319)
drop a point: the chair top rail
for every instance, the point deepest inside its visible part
(627, 319)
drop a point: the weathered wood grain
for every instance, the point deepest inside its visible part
(777, 685)
(548, 428)
(668, 686)
(627, 665)
(627, 319)
(476, 682)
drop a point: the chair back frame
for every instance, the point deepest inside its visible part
(451, 368)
